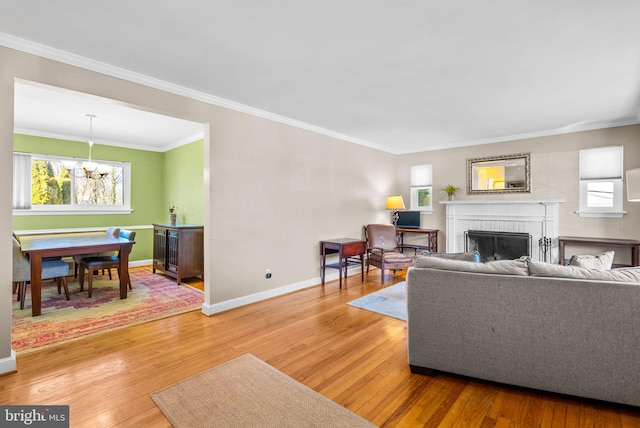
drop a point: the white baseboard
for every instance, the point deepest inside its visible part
(139, 263)
(257, 297)
(8, 364)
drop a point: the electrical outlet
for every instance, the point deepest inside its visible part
(268, 274)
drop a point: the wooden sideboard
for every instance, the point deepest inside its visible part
(178, 251)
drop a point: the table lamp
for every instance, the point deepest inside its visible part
(395, 203)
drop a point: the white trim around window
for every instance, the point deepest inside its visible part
(22, 192)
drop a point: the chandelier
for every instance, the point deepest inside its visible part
(88, 169)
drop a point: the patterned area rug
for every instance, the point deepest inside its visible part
(390, 301)
(153, 297)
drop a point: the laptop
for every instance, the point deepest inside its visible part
(409, 219)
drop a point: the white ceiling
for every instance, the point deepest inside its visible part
(399, 75)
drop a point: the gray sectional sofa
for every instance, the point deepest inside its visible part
(564, 329)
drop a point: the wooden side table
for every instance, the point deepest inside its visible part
(347, 249)
(632, 244)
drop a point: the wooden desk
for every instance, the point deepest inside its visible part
(347, 249)
(632, 244)
(432, 238)
(38, 247)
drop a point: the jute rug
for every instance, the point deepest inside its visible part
(152, 297)
(390, 301)
(247, 392)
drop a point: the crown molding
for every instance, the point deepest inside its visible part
(537, 134)
(107, 69)
(121, 73)
(38, 133)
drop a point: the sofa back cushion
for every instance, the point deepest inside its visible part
(472, 256)
(498, 267)
(631, 274)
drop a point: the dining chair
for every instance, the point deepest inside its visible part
(95, 263)
(111, 231)
(51, 269)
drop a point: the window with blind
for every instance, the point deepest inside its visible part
(44, 184)
(601, 184)
(422, 188)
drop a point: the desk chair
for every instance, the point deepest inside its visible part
(51, 268)
(95, 263)
(383, 250)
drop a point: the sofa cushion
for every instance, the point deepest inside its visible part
(472, 256)
(631, 274)
(498, 267)
(603, 261)
(390, 257)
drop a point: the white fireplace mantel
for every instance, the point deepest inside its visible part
(538, 218)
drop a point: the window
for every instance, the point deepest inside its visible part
(601, 182)
(53, 184)
(422, 188)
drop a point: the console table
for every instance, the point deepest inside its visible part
(432, 238)
(632, 244)
(347, 249)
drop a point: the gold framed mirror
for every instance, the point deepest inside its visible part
(499, 174)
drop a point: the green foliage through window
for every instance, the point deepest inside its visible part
(53, 184)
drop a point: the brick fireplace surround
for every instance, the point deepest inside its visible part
(537, 218)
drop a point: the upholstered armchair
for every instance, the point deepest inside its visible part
(51, 268)
(383, 250)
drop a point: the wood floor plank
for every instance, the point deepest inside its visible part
(354, 357)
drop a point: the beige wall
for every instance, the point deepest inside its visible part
(272, 191)
(554, 175)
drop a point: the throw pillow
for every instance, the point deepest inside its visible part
(603, 261)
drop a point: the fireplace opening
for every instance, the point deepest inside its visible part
(498, 245)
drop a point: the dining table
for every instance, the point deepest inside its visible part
(38, 247)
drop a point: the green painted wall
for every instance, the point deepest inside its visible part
(184, 182)
(151, 188)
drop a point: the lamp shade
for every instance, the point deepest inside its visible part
(633, 185)
(395, 203)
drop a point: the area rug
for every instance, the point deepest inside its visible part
(247, 392)
(152, 297)
(390, 301)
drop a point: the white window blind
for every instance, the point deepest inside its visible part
(601, 163)
(421, 175)
(21, 181)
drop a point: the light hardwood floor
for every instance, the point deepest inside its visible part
(354, 357)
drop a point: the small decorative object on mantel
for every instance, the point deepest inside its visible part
(172, 214)
(451, 191)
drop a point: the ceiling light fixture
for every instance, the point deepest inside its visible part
(89, 169)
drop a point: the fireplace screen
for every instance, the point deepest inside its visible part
(498, 245)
